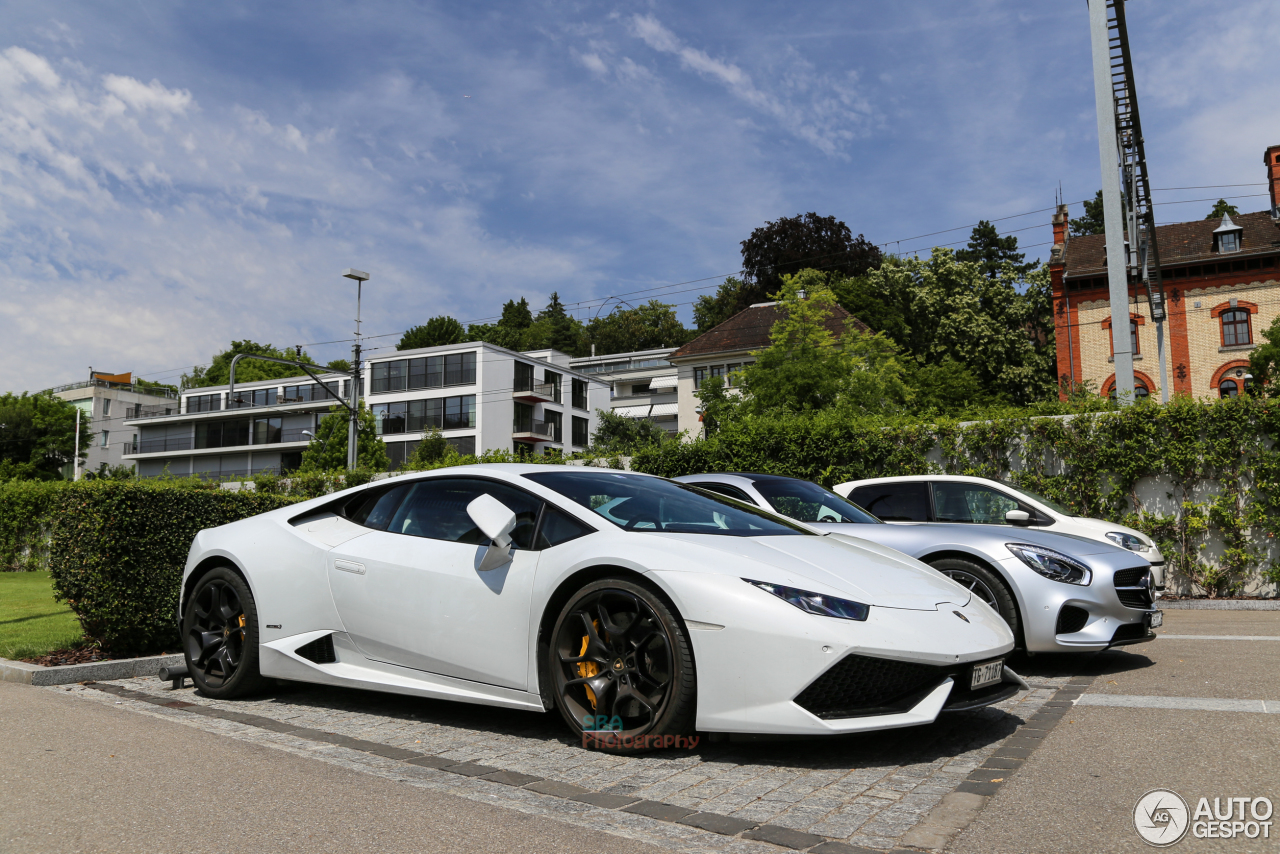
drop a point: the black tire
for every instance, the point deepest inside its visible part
(986, 585)
(618, 652)
(220, 636)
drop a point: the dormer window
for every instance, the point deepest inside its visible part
(1226, 237)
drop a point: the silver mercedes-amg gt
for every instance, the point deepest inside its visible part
(1056, 591)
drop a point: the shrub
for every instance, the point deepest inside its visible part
(119, 547)
(26, 508)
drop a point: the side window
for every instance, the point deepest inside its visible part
(559, 527)
(378, 506)
(437, 509)
(726, 490)
(970, 502)
(894, 502)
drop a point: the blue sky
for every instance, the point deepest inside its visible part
(176, 175)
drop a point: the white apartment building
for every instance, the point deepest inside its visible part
(641, 384)
(108, 399)
(480, 397)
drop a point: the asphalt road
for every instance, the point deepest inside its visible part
(78, 777)
(1078, 791)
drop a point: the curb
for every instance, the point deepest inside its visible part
(1218, 604)
(67, 674)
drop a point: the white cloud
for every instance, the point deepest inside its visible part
(152, 96)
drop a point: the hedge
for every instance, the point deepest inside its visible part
(26, 513)
(1209, 470)
(118, 549)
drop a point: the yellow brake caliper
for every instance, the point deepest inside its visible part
(587, 669)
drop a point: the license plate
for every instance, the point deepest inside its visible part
(1156, 619)
(987, 674)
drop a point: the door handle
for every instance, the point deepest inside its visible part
(349, 566)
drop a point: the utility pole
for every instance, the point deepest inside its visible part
(1112, 204)
(353, 428)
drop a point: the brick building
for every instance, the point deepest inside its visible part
(1222, 284)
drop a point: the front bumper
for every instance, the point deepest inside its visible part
(1061, 617)
(756, 655)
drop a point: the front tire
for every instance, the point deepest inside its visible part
(984, 584)
(220, 636)
(619, 658)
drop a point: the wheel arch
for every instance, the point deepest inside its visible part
(203, 568)
(1009, 586)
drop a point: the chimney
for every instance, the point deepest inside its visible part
(1272, 159)
(1059, 235)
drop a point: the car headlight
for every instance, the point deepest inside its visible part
(1132, 542)
(1051, 564)
(815, 603)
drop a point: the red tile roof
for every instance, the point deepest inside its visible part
(1180, 243)
(749, 330)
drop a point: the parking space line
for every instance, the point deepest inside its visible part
(1221, 637)
(1190, 704)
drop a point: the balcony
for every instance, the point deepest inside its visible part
(187, 443)
(534, 432)
(532, 392)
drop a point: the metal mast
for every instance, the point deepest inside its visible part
(1118, 118)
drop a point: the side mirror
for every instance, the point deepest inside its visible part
(497, 521)
(1018, 517)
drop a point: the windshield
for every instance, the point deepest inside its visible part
(809, 502)
(639, 503)
(1047, 502)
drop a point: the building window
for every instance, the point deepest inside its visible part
(554, 421)
(717, 370)
(1228, 388)
(1140, 391)
(204, 403)
(581, 432)
(425, 372)
(579, 394)
(106, 407)
(221, 434)
(105, 434)
(253, 397)
(524, 377)
(1229, 242)
(552, 379)
(699, 376)
(522, 421)
(1133, 339)
(417, 416)
(266, 431)
(1235, 328)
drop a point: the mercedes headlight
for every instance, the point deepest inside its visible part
(1052, 564)
(815, 603)
(1132, 542)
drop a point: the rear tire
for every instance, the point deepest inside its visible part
(619, 657)
(985, 585)
(220, 636)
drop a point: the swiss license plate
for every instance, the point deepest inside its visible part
(987, 674)
(1156, 619)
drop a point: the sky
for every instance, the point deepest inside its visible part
(178, 175)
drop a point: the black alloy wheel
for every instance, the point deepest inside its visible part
(220, 636)
(621, 664)
(985, 585)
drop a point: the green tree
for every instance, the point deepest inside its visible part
(339, 365)
(554, 328)
(430, 453)
(991, 252)
(807, 367)
(218, 371)
(644, 327)
(620, 435)
(327, 451)
(785, 247)
(37, 436)
(1092, 222)
(938, 308)
(1264, 362)
(1220, 208)
(511, 329)
(436, 332)
(947, 388)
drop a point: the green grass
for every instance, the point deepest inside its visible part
(31, 623)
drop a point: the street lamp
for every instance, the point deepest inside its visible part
(360, 277)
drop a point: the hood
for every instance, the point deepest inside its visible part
(925, 537)
(843, 566)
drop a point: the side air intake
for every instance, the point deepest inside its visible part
(319, 650)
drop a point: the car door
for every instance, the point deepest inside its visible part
(409, 592)
(973, 503)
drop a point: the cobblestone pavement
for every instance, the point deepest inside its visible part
(866, 790)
